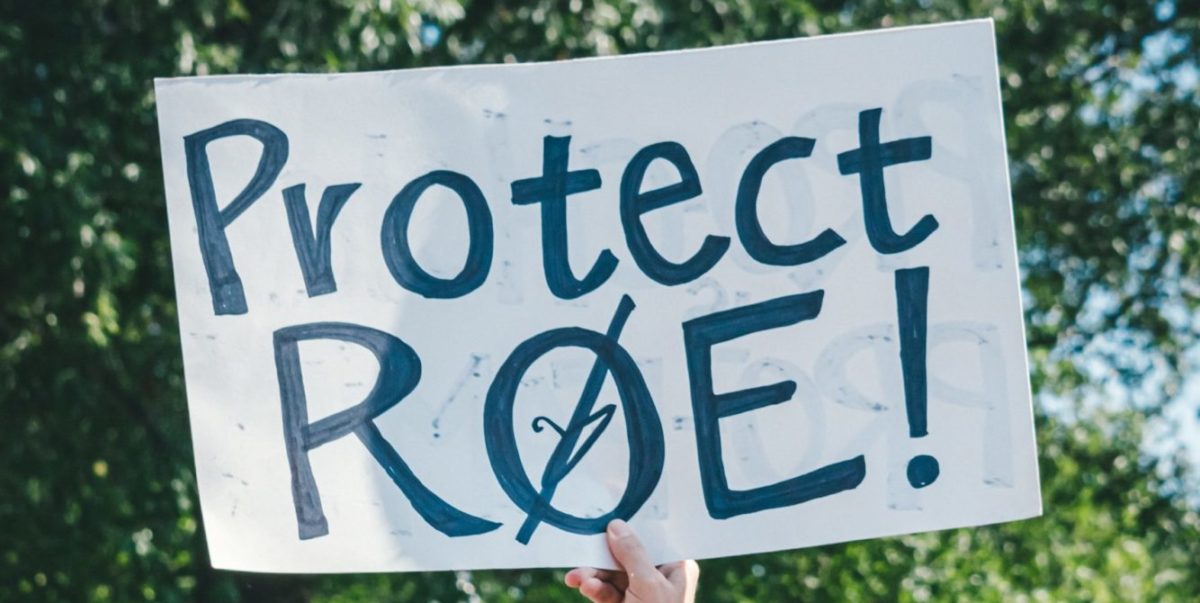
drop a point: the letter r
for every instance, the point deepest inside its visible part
(399, 372)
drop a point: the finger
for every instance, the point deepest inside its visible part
(599, 591)
(683, 576)
(574, 577)
(681, 570)
(578, 575)
(667, 569)
(629, 553)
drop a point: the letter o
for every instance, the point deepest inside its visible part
(642, 425)
(398, 254)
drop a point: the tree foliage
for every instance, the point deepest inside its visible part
(96, 485)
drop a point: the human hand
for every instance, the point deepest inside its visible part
(640, 582)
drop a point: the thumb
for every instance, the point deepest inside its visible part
(629, 553)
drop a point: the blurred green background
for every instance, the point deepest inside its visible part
(97, 497)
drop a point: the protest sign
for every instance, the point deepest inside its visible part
(748, 298)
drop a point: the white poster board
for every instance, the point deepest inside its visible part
(751, 298)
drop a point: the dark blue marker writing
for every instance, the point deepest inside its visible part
(397, 252)
(314, 250)
(912, 308)
(868, 162)
(699, 336)
(211, 221)
(749, 227)
(399, 372)
(643, 428)
(551, 190)
(634, 203)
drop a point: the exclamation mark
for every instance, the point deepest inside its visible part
(912, 306)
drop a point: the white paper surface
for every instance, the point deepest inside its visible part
(488, 123)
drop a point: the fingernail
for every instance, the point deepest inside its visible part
(618, 528)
